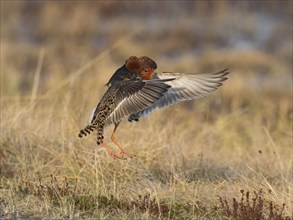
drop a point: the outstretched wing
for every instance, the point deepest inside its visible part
(135, 96)
(186, 86)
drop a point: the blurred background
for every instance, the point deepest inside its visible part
(253, 37)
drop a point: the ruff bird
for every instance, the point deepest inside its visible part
(135, 90)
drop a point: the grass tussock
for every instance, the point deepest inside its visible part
(54, 65)
(252, 207)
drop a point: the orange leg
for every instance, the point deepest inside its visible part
(112, 153)
(122, 151)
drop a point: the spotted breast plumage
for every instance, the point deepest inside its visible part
(135, 90)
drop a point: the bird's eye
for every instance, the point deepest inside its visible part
(145, 70)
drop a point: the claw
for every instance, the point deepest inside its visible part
(123, 152)
(112, 153)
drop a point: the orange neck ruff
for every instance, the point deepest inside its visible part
(148, 75)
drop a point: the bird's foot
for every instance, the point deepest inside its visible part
(123, 152)
(115, 156)
(112, 153)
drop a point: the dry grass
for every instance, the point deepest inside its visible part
(252, 207)
(53, 68)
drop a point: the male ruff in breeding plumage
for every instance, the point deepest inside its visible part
(135, 90)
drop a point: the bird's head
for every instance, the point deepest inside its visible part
(144, 67)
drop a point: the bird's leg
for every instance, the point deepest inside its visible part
(122, 151)
(112, 153)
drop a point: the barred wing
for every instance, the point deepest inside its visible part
(186, 86)
(135, 96)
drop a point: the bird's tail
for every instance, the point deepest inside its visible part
(90, 128)
(100, 135)
(87, 130)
